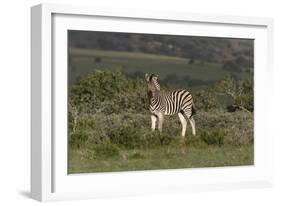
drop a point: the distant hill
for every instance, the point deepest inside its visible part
(173, 71)
(233, 52)
(181, 61)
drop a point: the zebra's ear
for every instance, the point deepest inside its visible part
(155, 77)
(147, 77)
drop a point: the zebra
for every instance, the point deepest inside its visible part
(169, 103)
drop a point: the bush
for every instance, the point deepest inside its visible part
(108, 92)
(78, 139)
(213, 136)
(205, 100)
(86, 124)
(132, 137)
(155, 138)
(246, 101)
(127, 136)
(241, 93)
(132, 131)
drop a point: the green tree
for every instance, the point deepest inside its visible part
(205, 99)
(107, 92)
(240, 91)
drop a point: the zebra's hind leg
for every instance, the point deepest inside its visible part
(192, 123)
(183, 123)
(188, 114)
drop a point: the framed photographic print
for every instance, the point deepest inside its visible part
(137, 102)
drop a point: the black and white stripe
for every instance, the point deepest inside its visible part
(169, 103)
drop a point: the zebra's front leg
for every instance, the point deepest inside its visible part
(160, 121)
(153, 122)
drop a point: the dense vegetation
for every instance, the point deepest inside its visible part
(109, 126)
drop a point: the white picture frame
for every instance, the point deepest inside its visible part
(49, 178)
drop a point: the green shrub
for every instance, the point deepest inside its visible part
(241, 93)
(246, 101)
(108, 92)
(86, 124)
(132, 131)
(166, 139)
(205, 100)
(77, 139)
(213, 136)
(242, 138)
(133, 136)
(148, 139)
(127, 136)
(153, 139)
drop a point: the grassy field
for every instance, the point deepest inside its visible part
(83, 61)
(162, 158)
(124, 142)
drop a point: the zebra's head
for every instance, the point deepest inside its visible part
(152, 84)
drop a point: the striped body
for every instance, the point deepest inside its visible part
(170, 103)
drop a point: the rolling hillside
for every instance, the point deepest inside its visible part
(176, 71)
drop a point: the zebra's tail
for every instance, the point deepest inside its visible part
(193, 111)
